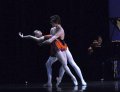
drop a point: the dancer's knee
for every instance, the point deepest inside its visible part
(64, 66)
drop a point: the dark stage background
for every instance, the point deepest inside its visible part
(23, 60)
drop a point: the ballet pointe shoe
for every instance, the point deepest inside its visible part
(58, 81)
(84, 83)
(75, 82)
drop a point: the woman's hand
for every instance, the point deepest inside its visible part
(21, 34)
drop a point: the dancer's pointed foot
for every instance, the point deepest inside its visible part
(75, 82)
(58, 81)
(84, 83)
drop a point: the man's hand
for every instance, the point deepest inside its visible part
(47, 42)
(44, 42)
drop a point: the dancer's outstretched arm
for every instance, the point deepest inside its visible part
(32, 37)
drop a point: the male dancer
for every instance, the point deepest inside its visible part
(56, 20)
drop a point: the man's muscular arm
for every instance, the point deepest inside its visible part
(54, 37)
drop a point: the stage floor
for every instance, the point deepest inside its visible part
(105, 86)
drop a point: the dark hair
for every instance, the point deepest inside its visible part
(55, 19)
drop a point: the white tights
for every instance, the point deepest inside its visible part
(62, 57)
(75, 67)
